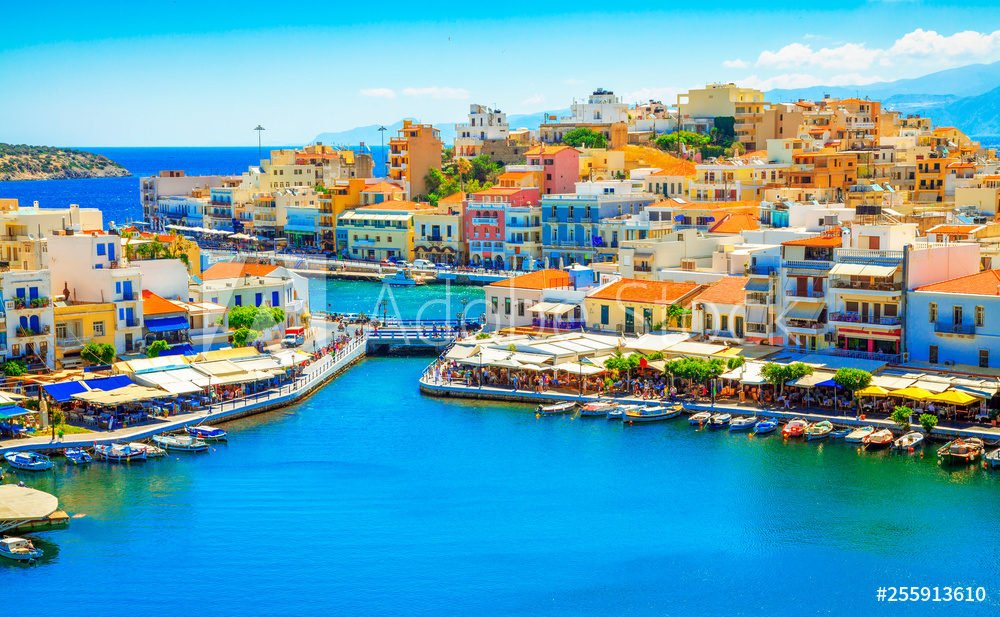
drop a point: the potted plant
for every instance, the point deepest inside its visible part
(928, 422)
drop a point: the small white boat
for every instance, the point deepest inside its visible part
(992, 460)
(744, 423)
(700, 418)
(596, 409)
(549, 410)
(908, 441)
(858, 434)
(402, 277)
(653, 414)
(19, 549)
(720, 419)
(881, 438)
(77, 456)
(119, 453)
(181, 443)
(150, 450)
(207, 433)
(28, 461)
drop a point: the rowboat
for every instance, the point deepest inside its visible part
(858, 434)
(743, 423)
(150, 450)
(962, 450)
(908, 441)
(992, 459)
(28, 461)
(19, 549)
(77, 456)
(700, 418)
(180, 443)
(720, 419)
(818, 430)
(878, 439)
(549, 410)
(207, 433)
(596, 409)
(765, 426)
(795, 428)
(652, 414)
(119, 453)
(840, 434)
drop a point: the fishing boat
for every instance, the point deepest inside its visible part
(962, 450)
(206, 433)
(653, 414)
(878, 439)
(618, 412)
(549, 410)
(908, 441)
(150, 450)
(28, 461)
(119, 453)
(818, 430)
(596, 409)
(720, 419)
(840, 434)
(700, 418)
(402, 278)
(858, 434)
(19, 549)
(742, 423)
(181, 443)
(77, 456)
(795, 428)
(765, 426)
(992, 459)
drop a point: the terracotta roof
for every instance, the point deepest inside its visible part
(383, 187)
(953, 229)
(395, 204)
(707, 205)
(500, 190)
(980, 284)
(549, 149)
(454, 198)
(831, 241)
(153, 304)
(725, 291)
(734, 223)
(228, 270)
(516, 175)
(542, 279)
(646, 292)
(680, 168)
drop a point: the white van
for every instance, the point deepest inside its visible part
(422, 264)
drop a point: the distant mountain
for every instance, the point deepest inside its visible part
(977, 116)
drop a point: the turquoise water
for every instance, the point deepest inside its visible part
(370, 499)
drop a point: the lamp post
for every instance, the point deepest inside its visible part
(385, 164)
(385, 311)
(259, 128)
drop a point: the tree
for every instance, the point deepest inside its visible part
(671, 141)
(243, 336)
(780, 374)
(278, 315)
(255, 318)
(98, 354)
(677, 313)
(928, 421)
(13, 368)
(901, 416)
(852, 379)
(735, 362)
(156, 348)
(584, 137)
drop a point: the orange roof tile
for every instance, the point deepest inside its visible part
(395, 204)
(383, 187)
(542, 279)
(980, 284)
(820, 241)
(454, 198)
(725, 291)
(680, 168)
(548, 149)
(516, 175)
(734, 223)
(153, 304)
(707, 205)
(953, 229)
(646, 292)
(230, 270)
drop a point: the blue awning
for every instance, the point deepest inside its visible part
(178, 350)
(166, 324)
(756, 284)
(13, 411)
(108, 383)
(63, 392)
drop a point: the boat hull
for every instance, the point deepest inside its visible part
(666, 415)
(30, 555)
(763, 428)
(37, 464)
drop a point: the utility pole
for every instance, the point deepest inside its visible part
(259, 128)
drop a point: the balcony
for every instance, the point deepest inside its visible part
(364, 243)
(130, 296)
(804, 324)
(856, 318)
(72, 342)
(761, 270)
(132, 323)
(24, 304)
(485, 221)
(865, 286)
(23, 332)
(953, 328)
(812, 295)
(642, 268)
(862, 355)
(812, 264)
(869, 256)
(860, 126)
(761, 300)
(558, 324)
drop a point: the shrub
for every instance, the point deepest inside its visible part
(928, 421)
(901, 416)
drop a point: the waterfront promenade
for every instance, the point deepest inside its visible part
(314, 375)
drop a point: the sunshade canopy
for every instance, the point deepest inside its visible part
(166, 324)
(951, 397)
(913, 392)
(872, 391)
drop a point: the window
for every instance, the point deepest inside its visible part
(932, 311)
(61, 330)
(121, 314)
(980, 316)
(506, 306)
(708, 321)
(239, 300)
(554, 212)
(956, 314)
(100, 249)
(647, 317)
(932, 354)
(724, 323)
(605, 320)
(118, 287)
(496, 303)
(984, 358)
(520, 308)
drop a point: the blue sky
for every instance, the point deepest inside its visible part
(205, 73)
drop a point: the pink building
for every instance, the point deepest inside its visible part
(485, 225)
(560, 168)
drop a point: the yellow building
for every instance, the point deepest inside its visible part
(634, 306)
(412, 154)
(381, 231)
(78, 324)
(601, 164)
(929, 180)
(342, 196)
(746, 105)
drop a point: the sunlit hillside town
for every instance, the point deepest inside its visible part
(835, 232)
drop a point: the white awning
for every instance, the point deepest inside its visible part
(579, 369)
(880, 271)
(809, 381)
(756, 314)
(180, 387)
(560, 309)
(804, 310)
(541, 307)
(847, 269)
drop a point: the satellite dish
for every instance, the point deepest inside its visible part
(31, 236)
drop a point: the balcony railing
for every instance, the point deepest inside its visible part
(809, 265)
(802, 323)
(558, 324)
(485, 221)
(761, 270)
(23, 304)
(794, 293)
(954, 328)
(868, 255)
(864, 286)
(642, 268)
(129, 296)
(71, 341)
(862, 355)
(132, 323)
(761, 300)
(865, 319)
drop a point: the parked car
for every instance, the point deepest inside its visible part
(443, 266)
(386, 264)
(423, 264)
(293, 340)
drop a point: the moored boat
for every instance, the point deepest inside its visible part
(119, 453)
(28, 461)
(206, 433)
(742, 423)
(765, 426)
(818, 430)
(19, 549)
(962, 450)
(878, 439)
(908, 441)
(150, 450)
(77, 456)
(548, 410)
(653, 414)
(596, 409)
(992, 460)
(401, 277)
(840, 434)
(858, 434)
(720, 419)
(181, 443)
(700, 418)
(795, 428)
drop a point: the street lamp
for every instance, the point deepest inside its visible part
(385, 165)
(385, 311)
(259, 128)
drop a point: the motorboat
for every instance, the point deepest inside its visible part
(720, 419)
(77, 456)
(818, 430)
(992, 459)
(28, 461)
(119, 453)
(402, 278)
(550, 410)
(206, 433)
(795, 428)
(150, 450)
(700, 418)
(858, 435)
(908, 441)
(653, 414)
(596, 409)
(618, 412)
(19, 549)
(840, 433)
(878, 439)
(962, 450)
(742, 423)
(765, 426)
(181, 443)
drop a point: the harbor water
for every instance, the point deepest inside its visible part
(370, 499)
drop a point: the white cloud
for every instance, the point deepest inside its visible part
(534, 99)
(806, 80)
(382, 93)
(436, 92)
(735, 64)
(846, 56)
(927, 43)
(664, 95)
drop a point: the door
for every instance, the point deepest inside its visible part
(111, 251)
(876, 313)
(817, 286)
(956, 313)
(127, 290)
(129, 314)
(801, 286)
(629, 319)
(864, 313)
(738, 326)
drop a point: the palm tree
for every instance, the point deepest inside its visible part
(678, 313)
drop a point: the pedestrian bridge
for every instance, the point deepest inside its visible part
(427, 336)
